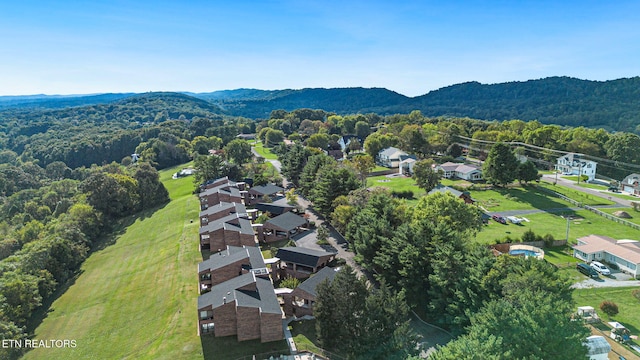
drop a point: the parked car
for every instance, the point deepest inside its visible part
(601, 268)
(514, 219)
(499, 219)
(587, 270)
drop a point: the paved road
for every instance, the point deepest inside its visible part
(598, 193)
(337, 243)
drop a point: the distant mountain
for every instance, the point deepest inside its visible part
(57, 101)
(613, 105)
(259, 103)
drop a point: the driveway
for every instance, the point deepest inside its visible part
(616, 279)
(601, 194)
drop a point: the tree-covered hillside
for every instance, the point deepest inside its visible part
(567, 101)
(98, 134)
(612, 104)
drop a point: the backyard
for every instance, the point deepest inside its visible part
(628, 306)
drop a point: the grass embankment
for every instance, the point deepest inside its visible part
(263, 151)
(136, 299)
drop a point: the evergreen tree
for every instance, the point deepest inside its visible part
(500, 167)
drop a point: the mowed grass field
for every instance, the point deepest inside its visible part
(136, 298)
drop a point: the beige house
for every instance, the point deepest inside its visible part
(623, 253)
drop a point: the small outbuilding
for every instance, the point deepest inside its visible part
(599, 347)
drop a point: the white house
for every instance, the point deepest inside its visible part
(406, 165)
(623, 253)
(458, 170)
(390, 157)
(631, 184)
(573, 164)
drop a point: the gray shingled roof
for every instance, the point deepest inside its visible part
(268, 189)
(230, 222)
(231, 255)
(274, 209)
(226, 188)
(302, 256)
(238, 208)
(445, 189)
(285, 222)
(390, 151)
(309, 285)
(262, 296)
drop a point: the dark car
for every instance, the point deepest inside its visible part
(587, 270)
(499, 219)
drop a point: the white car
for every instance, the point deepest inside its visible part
(599, 267)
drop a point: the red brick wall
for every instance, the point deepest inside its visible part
(248, 323)
(225, 320)
(271, 327)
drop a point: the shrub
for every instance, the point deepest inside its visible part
(290, 282)
(609, 307)
(402, 194)
(529, 236)
(548, 240)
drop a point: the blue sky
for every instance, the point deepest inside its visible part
(411, 47)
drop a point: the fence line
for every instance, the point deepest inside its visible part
(592, 209)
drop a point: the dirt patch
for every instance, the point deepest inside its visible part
(622, 215)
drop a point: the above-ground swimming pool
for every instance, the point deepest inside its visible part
(526, 250)
(523, 252)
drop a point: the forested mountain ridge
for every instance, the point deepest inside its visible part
(339, 100)
(612, 105)
(568, 101)
(97, 134)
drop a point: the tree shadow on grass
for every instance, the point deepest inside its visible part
(43, 311)
(120, 226)
(229, 348)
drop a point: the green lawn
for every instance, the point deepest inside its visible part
(628, 315)
(560, 256)
(635, 215)
(517, 198)
(548, 223)
(398, 183)
(136, 299)
(576, 195)
(264, 152)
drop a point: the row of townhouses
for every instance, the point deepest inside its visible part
(236, 283)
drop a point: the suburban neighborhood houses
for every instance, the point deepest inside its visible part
(254, 238)
(235, 281)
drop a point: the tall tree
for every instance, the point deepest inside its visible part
(446, 208)
(527, 172)
(501, 166)
(331, 181)
(530, 325)
(208, 167)
(238, 151)
(425, 175)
